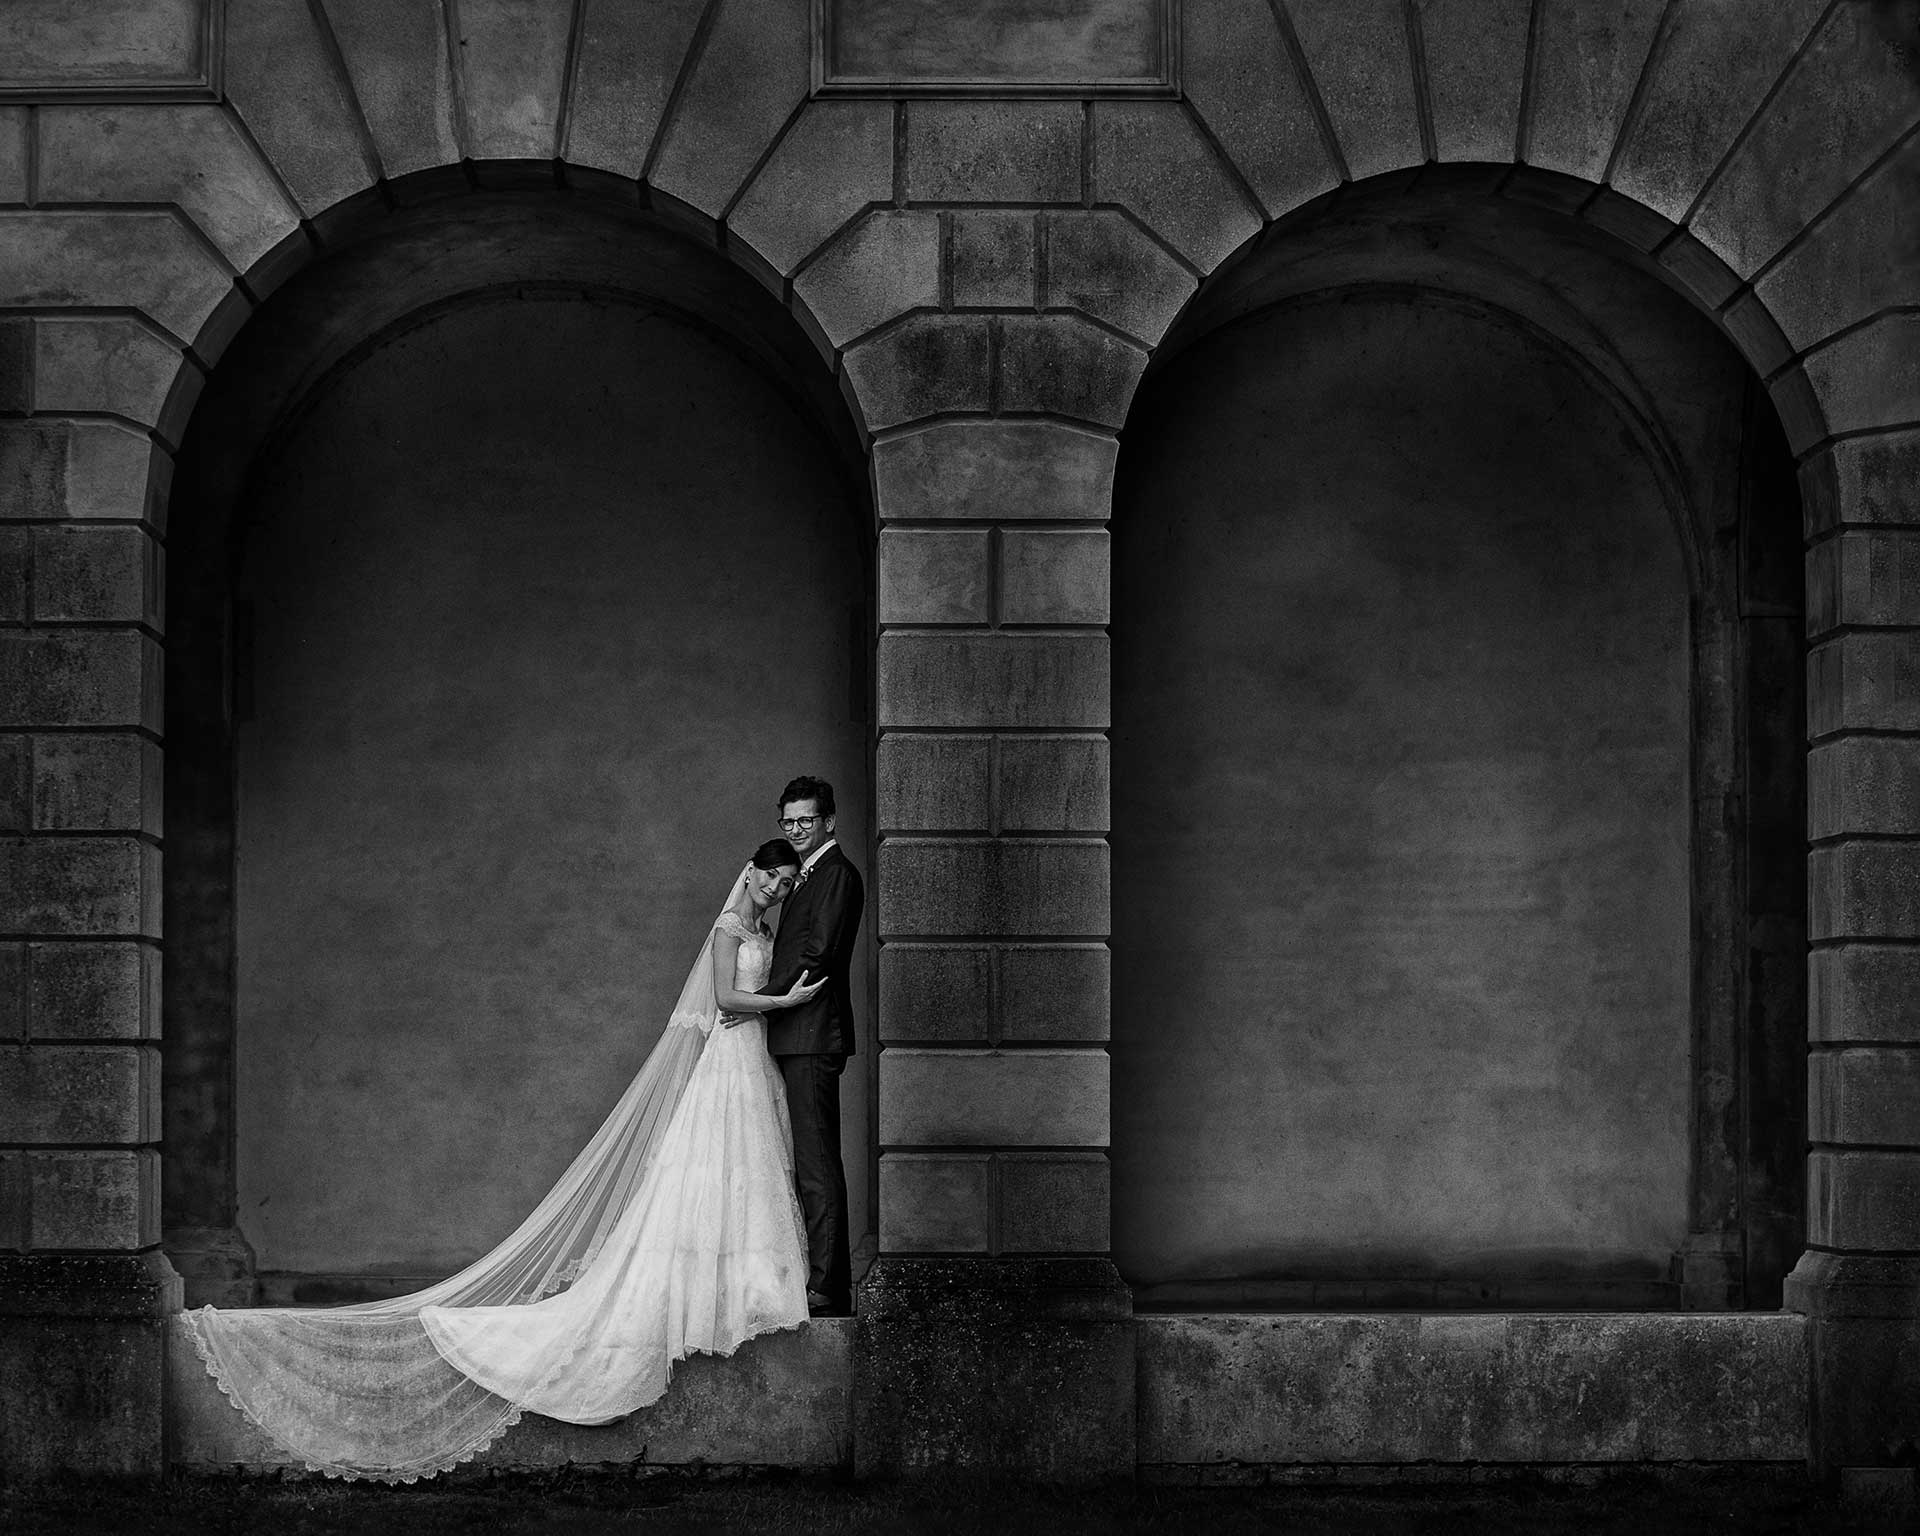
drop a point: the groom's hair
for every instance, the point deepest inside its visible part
(807, 787)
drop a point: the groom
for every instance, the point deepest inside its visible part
(819, 924)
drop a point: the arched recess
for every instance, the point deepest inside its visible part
(520, 550)
(1459, 838)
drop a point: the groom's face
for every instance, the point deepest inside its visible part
(804, 826)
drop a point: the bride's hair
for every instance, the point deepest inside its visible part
(774, 852)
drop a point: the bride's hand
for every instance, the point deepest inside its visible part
(803, 991)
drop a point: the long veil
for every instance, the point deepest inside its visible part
(361, 1391)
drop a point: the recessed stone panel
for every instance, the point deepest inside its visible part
(1014, 886)
(993, 1098)
(956, 46)
(53, 48)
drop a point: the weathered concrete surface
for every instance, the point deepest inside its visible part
(1601, 1387)
(785, 1399)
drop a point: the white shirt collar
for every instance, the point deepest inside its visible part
(814, 857)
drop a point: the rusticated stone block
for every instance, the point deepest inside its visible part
(1864, 992)
(1757, 335)
(103, 363)
(629, 58)
(80, 1093)
(935, 1202)
(1865, 1095)
(753, 70)
(1356, 51)
(105, 991)
(16, 366)
(96, 784)
(1864, 578)
(123, 259)
(396, 56)
(990, 260)
(935, 992)
(1054, 1202)
(1102, 265)
(513, 61)
(78, 469)
(96, 574)
(13, 154)
(1473, 1388)
(187, 155)
(1054, 784)
(1872, 479)
(1864, 681)
(1001, 470)
(981, 681)
(94, 1200)
(1708, 81)
(1150, 159)
(14, 543)
(1587, 61)
(85, 677)
(1055, 991)
(925, 365)
(1002, 886)
(1844, 102)
(1864, 784)
(1864, 891)
(883, 266)
(16, 784)
(1235, 71)
(1476, 57)
(1697, 268)
(835, 160)
(15, 1227)
(1055, 576)
(78, 1332)
(1864, 1201)
(933, 783)
(80, 885)
(993, 151)
(965, 1098)
(1869, 377)
(1823, 285)
(1063, 366)
(935, 576)
(279, 78)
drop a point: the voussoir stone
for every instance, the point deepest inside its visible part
(1104, 266)
(1150, 159)
(1356, 51)
(1476, 56)
(135, 259)
(991, 260)
(1869, 377)
(630, 56)
(754, 69)
(1587, 60)
(513, 63)
(836, 159)
(1236, 72)
(996, 469)
(282, 82)
(926, 365)
(883, 266)
(1060, 365)
(103, 363)
(397, 60)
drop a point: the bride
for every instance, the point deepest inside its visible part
(676, 1230)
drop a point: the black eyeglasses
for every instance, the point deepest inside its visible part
(800, 823)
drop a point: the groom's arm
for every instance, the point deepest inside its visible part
(836, 902)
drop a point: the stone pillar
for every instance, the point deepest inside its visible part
(83, 1288)
(1859, 1282)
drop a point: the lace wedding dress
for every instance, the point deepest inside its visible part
(676, 1230)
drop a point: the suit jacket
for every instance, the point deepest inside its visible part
(819, 927)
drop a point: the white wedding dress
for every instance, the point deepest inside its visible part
(676, 1230)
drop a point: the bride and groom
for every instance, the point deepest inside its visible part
(710, 1206)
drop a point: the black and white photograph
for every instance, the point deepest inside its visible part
(971, 766)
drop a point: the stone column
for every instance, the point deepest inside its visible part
(1859, 1282)
(83, 1287)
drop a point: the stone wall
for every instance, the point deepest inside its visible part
(986, 279)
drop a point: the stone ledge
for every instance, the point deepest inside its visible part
(1473, 1387)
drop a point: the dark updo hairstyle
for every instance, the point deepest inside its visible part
(807, 787)
(774, 852)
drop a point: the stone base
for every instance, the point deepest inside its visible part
(83, 1364)
(1017, 1368)
(1863, 1348)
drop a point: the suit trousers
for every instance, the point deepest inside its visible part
(813, 1109)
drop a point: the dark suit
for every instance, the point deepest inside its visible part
(819, 926)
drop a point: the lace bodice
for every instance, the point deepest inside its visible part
(754, 963)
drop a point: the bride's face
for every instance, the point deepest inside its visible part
(768, 886)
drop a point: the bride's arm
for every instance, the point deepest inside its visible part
(726, 951)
